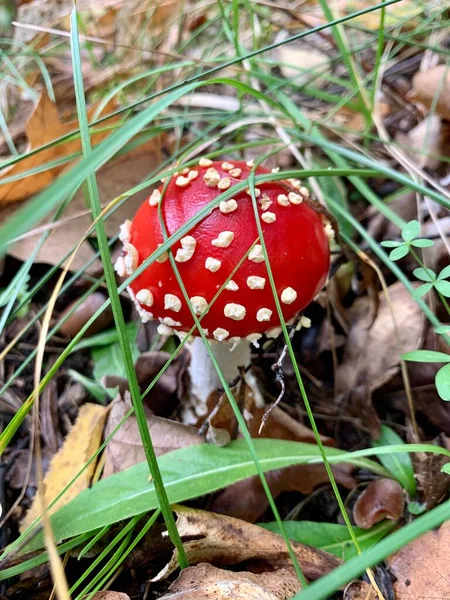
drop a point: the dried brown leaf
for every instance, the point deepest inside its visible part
(110, 595)
(372, 354)
(223, 540)
(422, 568)
(427, 141)
(206, 581)
(125, 449)
(170, 383)
(82, 313)
(43, 127)
(382, 499)
(80, 444)
(432, 89)
(20, 471)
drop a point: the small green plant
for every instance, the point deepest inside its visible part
(430, 279)
(442, 379)
(409, 234)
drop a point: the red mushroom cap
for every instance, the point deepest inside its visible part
(296, 236)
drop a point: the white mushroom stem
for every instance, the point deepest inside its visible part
(204, 377)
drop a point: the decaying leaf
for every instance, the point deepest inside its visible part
(432, 89)
(382, 499)
(125, 449)
(148, 364)
(43, 127)
(81, 443)
(206, 581)
(422, 568)
(223, 540)
(372, 354)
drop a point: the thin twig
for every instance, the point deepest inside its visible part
(279, 377)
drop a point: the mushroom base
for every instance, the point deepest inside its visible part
(203, 374)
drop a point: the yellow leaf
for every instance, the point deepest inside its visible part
(81, 443)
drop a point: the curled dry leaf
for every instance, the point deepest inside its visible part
(223, 540)
(382, 499)
(206, 581)
(79, 446)
(125, 449)
(371, 356)
(422, 568)
(432, 89)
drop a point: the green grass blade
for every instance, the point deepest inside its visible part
(115, 301)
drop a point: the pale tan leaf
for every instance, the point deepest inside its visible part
(427, 141)
(303, 64)
(432, 89)
(372, 353)
(422, 568)
(223, 540)
(125, 449)
(80, 444)
(403, 15)
(110, 595)
(206, 581)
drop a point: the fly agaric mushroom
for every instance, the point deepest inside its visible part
(297, 241)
